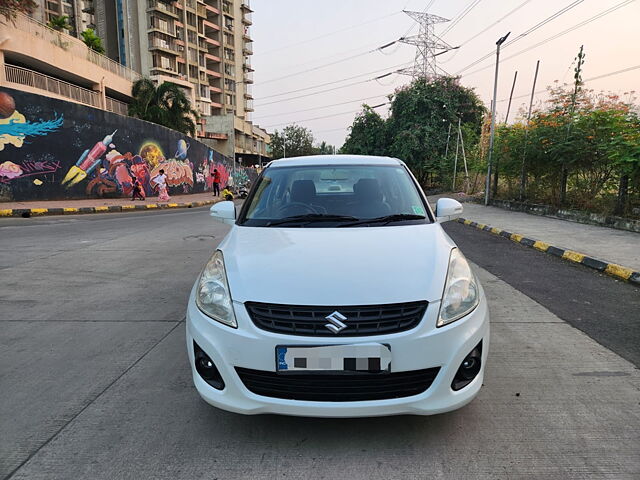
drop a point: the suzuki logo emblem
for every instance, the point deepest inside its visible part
(335, 322)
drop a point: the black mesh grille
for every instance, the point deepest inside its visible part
(361, 320)
(337, 387)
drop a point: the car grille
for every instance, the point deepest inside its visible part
(339, 387)
(361, 320)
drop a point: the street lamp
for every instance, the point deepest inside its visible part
(493, 119)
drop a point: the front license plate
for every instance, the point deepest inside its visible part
(363, 357)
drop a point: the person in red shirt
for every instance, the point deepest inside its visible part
(216, 182)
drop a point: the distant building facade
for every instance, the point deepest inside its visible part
(202, 45)
(80, 13)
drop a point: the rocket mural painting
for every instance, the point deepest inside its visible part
(52, 149)
(87, 162)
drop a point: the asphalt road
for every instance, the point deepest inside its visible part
(94, 380)
(606, 309)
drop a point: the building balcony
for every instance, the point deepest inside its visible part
(211, 58)
(212, 13)
(162, 7)
(163, 46)
(247, 49)
(245, 5)
(247, 18)
(24, 77)
(30, 80)
(158, 27)
(213, 73)
(210, 26)
(33, 44)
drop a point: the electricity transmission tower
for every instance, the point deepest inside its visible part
(428, 46)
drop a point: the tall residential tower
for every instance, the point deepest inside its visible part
(202, 45)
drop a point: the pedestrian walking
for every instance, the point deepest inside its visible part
(137, 189)
(216, 182)
(161, 181)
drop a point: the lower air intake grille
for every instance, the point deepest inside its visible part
(337, 387)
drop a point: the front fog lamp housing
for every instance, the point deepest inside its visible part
(461, 292)
(212, 296)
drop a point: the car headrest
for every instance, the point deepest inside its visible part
(368, 189)
(303, 191)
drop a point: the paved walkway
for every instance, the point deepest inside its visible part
(607, 244)
(103, 202)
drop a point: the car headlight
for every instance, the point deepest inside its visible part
(461, 293)
(212, 296)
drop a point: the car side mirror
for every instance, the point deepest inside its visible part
(447, 209)
(224, 212)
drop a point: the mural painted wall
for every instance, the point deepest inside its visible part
(51, 149)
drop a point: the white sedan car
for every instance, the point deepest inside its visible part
(336, 293)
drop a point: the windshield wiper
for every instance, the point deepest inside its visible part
(396, 217)
(311, 218)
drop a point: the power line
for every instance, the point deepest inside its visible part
(328, 89)
(460, 16)
(495, 23)
(319, 67)
(524, 34)
(330, 33)
(324, 116)
(320, 108)
(560, 34)
(325, 84)
(598, 77)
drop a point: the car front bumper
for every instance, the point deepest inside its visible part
(422, 347)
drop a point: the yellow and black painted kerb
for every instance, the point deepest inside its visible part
(32, 212)
(618, 271)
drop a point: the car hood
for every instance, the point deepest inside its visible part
(337, 266)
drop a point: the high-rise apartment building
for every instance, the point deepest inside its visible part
(203, 46)
(78, 12)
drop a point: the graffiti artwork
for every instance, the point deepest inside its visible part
(52, 149)
(14, 127)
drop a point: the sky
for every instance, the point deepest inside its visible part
(326, 53)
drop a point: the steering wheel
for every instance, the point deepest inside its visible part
(296, 208)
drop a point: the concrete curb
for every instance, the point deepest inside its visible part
(613, 269)
(29, 212)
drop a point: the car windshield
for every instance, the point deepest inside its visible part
(334, 196)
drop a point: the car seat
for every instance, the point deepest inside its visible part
(304, 191)
(369, 201)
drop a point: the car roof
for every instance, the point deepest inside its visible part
(316, 160)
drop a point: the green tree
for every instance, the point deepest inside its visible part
(166, 105)
(419, 121)
(293, 141)
(9, 8)
(59, 23)
(324, 149)
(93, 41)
(367, 134)
(417, 128)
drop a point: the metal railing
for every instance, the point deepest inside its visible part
(73, 46)
(30, 78)
(116, 106)
(24, 76)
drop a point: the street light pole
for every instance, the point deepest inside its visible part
(493, 119)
